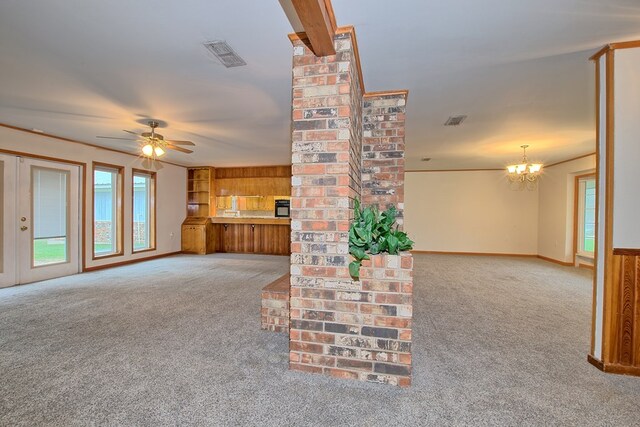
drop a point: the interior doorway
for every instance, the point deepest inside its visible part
(40, 221)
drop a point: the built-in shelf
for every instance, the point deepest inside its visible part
(199, 196)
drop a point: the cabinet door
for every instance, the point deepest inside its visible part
(273, 239)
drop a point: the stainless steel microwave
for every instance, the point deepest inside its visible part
(283, 208)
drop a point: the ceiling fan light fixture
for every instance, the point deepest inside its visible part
(158, 150)
(147, 150)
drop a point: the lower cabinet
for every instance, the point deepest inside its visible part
(253, 238)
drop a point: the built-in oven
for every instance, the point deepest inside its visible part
(283, 208)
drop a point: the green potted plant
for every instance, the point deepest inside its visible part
(373, 232)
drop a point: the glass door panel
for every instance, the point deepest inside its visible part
(50, 201)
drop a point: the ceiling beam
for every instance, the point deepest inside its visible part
(318, 23)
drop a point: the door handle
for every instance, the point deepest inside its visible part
(23, 219)
(23, 228)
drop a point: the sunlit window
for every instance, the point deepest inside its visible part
(107, 210)
(143, 210)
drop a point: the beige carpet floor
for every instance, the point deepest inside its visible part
(177, 341)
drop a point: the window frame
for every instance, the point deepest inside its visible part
(119, 210)
(578, 249)
(152, 209)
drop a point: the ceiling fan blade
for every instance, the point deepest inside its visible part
(174, 142)
(183, 150)
(131, 132)
(115, 137)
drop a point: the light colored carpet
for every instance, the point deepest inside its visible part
(177, 341)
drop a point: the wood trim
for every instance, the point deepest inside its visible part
(544, 258)
(595, 362)
(613, 368)
(454, 170)
(625, 45)
(37, 156)
(331, 15)
(611, 294)
(75, 141)
(613, 46)
(318, 21)
(152, 226)
(595, 249)
(626, 251)
(473, 253)
(119, 207)
(491, 169)
(555, 261)
(596, 56)
(585, 266)
(401, 92)
(82, 191)
(570, 160)
(129, 261)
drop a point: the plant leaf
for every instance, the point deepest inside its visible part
(354, 269)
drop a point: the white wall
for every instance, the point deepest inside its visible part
(473, 211)
(556, 202)
(626, 175)
(170, 186)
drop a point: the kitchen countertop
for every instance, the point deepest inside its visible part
(264, 220)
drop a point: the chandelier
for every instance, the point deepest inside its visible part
(524, 174)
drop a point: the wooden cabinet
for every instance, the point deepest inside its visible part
(253, 238)
(198, 236)
(201, 192)
(272, 239)
(253, 181)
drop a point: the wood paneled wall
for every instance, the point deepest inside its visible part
(254, 181)
(622, 350)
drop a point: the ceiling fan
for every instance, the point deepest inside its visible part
(154, 144)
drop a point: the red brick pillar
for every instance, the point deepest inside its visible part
(327, 135)
(383, 150)
(338, 327)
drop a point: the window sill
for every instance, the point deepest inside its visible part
(97, 257)
(138, 251)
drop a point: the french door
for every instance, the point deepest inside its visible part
(40, 223)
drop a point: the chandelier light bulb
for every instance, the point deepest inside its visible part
(524, 174)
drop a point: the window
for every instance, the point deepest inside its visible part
(586, 216)
(108, 186)
(144, 210)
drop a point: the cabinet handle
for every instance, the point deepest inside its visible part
(253, 226)
(225, 226)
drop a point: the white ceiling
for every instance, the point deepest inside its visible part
(518, 69)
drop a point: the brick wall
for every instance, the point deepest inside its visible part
(275, 306)
(383, 151)
(102, 231)
(340, 327)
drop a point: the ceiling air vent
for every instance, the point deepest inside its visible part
(224, 53)
(454, 120)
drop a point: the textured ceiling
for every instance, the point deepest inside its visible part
(518, 69)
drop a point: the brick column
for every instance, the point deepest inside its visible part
(327, 135)
(338, 327)
(383, 150)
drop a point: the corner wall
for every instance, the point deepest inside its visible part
(170, 198)
(556, 208)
